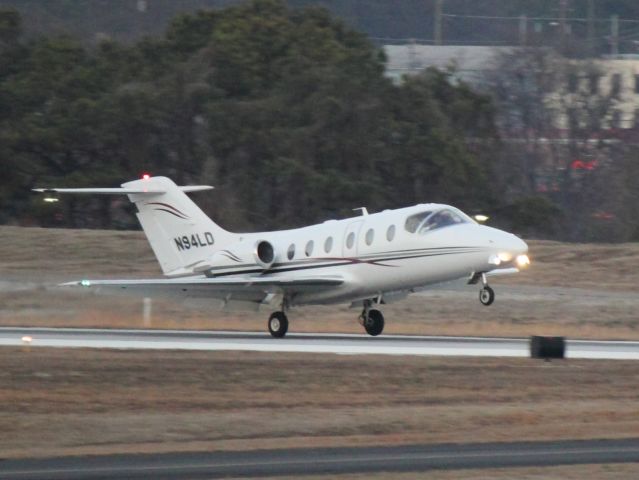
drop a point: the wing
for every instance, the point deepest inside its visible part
(256, 290)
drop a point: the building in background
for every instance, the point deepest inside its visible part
(617, 77)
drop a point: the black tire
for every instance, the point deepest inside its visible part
(278, 324)
(374, 323)
(486, 295)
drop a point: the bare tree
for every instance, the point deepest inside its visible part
(558, 119)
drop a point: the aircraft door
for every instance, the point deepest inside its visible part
(351, 239)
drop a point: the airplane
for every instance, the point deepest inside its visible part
(368, 260)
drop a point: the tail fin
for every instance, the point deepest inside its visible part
(180, 234)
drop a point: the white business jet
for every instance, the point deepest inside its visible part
(369, 260)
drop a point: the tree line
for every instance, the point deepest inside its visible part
(286, 111)
(469, 22)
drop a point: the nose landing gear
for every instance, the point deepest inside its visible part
(486, 295)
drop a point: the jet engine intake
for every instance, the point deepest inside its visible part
(264, 254)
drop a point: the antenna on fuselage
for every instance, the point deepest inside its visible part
(361, 209)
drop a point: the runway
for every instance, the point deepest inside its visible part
(304, 343)
(325, 461)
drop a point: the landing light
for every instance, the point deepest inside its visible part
(85, 283)
(523, 261)
(50, 199)
(505, 256)
(481, 218)
(494, 260)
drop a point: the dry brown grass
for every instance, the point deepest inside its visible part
(58, 402)
(604, 306)
(597, 266)
(59, 254)
(91, 401)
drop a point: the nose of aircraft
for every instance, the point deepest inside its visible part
(515, 244)
(507, 248)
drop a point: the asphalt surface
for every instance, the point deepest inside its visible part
(325, 461)
(304, 343)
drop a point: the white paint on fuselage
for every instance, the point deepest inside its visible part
(464, 248)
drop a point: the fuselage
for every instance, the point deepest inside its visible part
(378, 254)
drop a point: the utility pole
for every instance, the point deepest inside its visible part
(563, 7)
(523, 30)
(591, 27)
(439, 6)
(614, 35)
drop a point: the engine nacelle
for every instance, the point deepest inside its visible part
(264, 254)
(242, 255)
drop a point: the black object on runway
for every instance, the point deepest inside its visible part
(547, 347)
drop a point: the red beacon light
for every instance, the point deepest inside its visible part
(146, 176)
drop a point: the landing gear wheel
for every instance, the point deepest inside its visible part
(374, 322)
(486, 295)
(278, 324)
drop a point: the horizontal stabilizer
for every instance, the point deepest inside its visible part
(122, 191)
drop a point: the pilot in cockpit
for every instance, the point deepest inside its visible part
(424, 222)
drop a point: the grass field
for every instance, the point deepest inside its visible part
(57, 402)
(54, 254)
(585, 291)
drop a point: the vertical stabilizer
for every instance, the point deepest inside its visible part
(181, 235)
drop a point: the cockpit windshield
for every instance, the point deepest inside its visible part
(428, 221)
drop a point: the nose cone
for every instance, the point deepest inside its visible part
(507, 249)
(517, 245)
(510, 244)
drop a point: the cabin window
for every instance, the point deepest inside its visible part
(291, 251)
(370, 235)
(350, 240)
(328, 244)
(390, 233)
(309, 248)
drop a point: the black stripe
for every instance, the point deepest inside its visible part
(171, 212)
(459, 249)
(380, 257)
(336, 264)
(229, 256)
(168, 206)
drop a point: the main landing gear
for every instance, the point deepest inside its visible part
(371, 319)
(278, 324)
